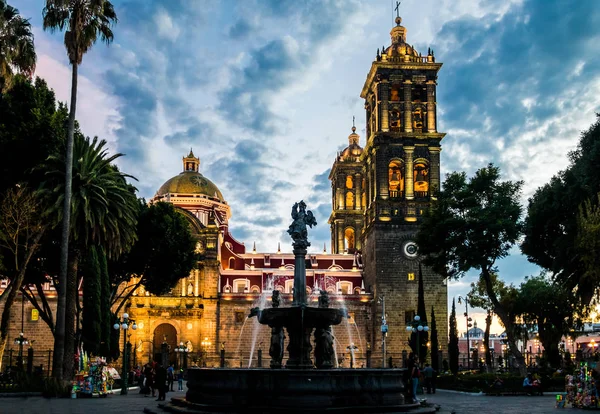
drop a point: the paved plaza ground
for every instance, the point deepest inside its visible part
(134, 403)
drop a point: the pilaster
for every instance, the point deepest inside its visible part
(408, 106)
(408, 172)
(431, 107)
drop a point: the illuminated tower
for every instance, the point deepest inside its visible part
(401, 164)
(347, 198)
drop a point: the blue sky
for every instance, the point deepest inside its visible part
(265, 90)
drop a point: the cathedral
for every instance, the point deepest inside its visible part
(379, 193)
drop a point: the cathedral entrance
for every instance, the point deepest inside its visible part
(165, 333)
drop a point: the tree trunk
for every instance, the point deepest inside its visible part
(486, 342)
(507, 321)
(60, 339)
(14, 287)
(70, 313)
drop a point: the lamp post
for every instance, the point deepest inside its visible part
(125, 323)
(204, 346)
(21, 340)
(182, 351)
(460, 299)
(384, 330)
(416, 328)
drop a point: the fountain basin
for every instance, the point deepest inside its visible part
(296, 390)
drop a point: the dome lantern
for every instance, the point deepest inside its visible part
(191, 163)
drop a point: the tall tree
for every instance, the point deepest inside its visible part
(158, 260)
(453, 344)
(107, 316)
(32, 128)
(104, 213)
(17, 51)
(475, 222)
(92, 319)
(21, 228)
(84, 21)
(551, 310)
(418, 339)
(587, 242)
(435, 352)
(551, 226)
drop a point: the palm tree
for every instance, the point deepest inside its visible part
(104, 214)
(17, 51)
(84, 21)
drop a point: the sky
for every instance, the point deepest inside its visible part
(264, 91)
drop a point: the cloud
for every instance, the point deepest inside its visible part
(166, 28)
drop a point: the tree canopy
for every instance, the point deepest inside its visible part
(475, 222)
(17, 51)
(551, 226)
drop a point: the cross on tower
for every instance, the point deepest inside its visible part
(398, 8)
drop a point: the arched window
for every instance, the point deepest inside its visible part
(255, 289)
(349, 200)
(421, 179)
(395, 93)
(395, 120)
(349, 240)
(349, 181)
(232, 262)
(395, 179)
(345, 287)
(418, 118)
(241, 285)
(289, 285)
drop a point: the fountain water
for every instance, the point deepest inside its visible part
(298, 388)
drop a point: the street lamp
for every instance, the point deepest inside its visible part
(384, 330)
(124, 324)
(469, 325)
(205, 346)
(416, 327)
(182, 350)
(21, 340)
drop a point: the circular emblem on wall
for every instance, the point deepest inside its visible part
(199, 181)
(410, 249)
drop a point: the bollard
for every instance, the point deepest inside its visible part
(29, 360)
(222, 358)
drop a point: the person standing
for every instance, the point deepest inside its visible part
(161, 382)
(180, 380)
(428, 373)
(170, 377)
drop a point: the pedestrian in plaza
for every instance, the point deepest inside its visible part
(428, 373)
(161, 382)
(413, 368)
(180, 380)
(149, 378)
(170, 377)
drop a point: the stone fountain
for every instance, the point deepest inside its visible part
(300, 386)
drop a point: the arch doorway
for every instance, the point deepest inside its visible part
(165, 332)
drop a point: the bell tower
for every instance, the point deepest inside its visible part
(347, 198)
(401, 166)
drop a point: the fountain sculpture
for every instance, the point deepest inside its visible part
(297, 387)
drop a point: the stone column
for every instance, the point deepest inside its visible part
(408, 106)
(408, 172)
(383, 93)
(434, 171)
(357, 191)
(431, 110)
(340, 236)
(299, 275)
(196, 283)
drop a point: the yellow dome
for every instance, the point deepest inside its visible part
(190, 182)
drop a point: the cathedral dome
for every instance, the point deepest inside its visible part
(353, 151)
(190, 182)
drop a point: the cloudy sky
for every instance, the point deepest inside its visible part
(265, 90)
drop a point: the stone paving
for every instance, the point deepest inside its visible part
(135, 403)
(462, 403)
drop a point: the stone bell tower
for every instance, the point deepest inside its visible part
(401, 166)
(347, 198)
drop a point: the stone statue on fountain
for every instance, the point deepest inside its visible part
(323, 338)
(277, 336)
(297, 230)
